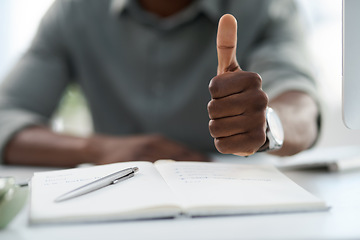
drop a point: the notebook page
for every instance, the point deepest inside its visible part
(142, 196)
(216, 188)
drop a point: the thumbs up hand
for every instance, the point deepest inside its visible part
(238, 105)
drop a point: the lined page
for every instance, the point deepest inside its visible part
(216, 188)
(145, 195)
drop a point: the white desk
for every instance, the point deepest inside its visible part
(342, 221)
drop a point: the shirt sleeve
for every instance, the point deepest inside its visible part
(281, 54)
(32, 89)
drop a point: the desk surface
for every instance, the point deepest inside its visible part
(340, 190)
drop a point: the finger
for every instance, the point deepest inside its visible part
(231, 83)
(226, 44)
(230, 126)
(241, 144)
(249, 102)
(226, 107)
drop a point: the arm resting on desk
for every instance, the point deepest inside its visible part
(40, 146)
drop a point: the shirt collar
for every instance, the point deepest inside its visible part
(118, 6)
(211, 8)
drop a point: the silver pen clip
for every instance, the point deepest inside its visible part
(131, 174)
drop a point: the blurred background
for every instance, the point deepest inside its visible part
(19, 20)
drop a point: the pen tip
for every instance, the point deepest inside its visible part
(135, 169)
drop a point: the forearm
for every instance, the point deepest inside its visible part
(298, 113)
(40, 146)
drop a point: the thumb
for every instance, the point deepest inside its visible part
(226, 44)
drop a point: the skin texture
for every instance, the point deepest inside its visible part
(40, 146)
(236, 111)
(238, 105)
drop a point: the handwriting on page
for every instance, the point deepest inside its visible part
(61, 179)
(198, 174)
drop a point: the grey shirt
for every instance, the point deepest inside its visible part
(141, 74)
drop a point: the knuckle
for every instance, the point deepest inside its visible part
(213, 128)
(255, 79)
(264, 98)
(258, 138)
(212, 108)
(222, 146)
(260, 100)
(214, 87)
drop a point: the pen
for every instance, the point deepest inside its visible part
(100, 183)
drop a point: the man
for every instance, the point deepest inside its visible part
(145, 68)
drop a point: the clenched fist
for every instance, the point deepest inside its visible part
(238, 105)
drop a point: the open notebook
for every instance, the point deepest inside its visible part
(168, 189)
